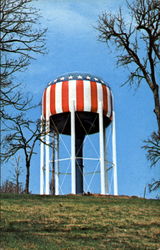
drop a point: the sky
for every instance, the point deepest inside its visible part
(72, 45)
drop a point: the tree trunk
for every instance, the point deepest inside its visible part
(17, 183)
(27, 177)
(52, 184)
(157, 106)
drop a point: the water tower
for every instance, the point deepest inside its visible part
(77, 104)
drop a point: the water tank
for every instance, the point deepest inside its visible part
(89, 93)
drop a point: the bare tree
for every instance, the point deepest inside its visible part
(17, 171)
(153, 149)
(138, 42)
(21, 38)
(23, 136)
(14, 185)
(10, 187)
(152, 146)
(155, 185)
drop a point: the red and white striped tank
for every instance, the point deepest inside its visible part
(88, 93)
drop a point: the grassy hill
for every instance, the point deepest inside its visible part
(79, 222)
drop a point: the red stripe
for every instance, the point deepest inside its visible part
(44, 104)
(105, 99)
(94, 101)
(80, 95)
(65, 97)
(53, 99)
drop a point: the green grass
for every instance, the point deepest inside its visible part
(79, 222)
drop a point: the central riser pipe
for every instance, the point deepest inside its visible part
(79, 164)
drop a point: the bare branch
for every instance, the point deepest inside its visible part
(23, 134)
(20, 41)
(138, 43)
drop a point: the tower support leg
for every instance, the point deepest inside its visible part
(56, 150)
(106, 164)
(73, 150)
(47, 159)
(42, 160)
(114, 157)
(101, 147)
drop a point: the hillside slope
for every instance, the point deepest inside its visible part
(79, 222)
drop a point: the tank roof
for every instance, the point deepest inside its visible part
(78, 76)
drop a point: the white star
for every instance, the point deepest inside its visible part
(62, 78)
(49, 83)
(70, 77)
(79, 77)
(102, 81)
(88, 77)
(96, 79)
(55, 80)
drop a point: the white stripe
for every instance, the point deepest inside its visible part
(99, 95)
(43, 106)
(48, 112)
(109, 102)
(58, 97)
(72, 94)
(87, 95)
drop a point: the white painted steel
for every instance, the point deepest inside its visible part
(114, 156)
(47, 159)
(57, 166)
(64, 159)
(73, 150)
(106, 163)
(87, 95)
(43, 106)
(109, 102)
(58, 97)
(99, 94)
(101, 147)
(48, 111)
(72, 94)
(42, 160)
